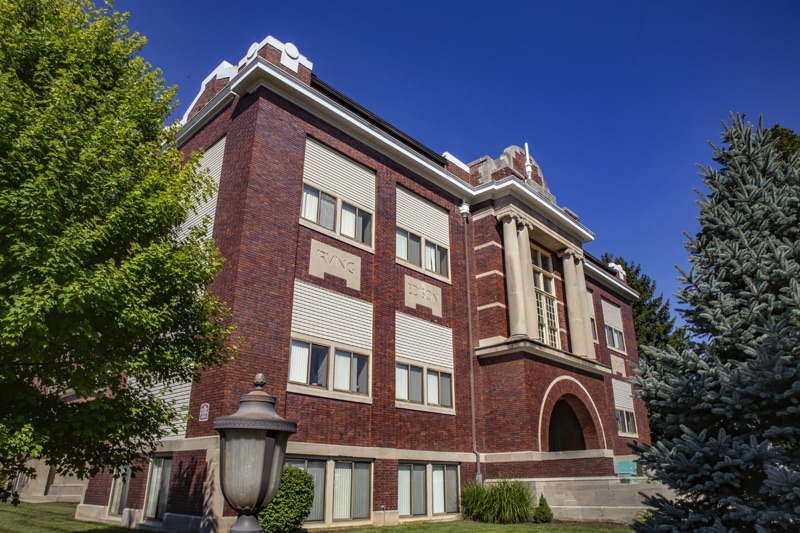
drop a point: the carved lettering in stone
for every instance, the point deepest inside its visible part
(618, 365)
(329, 260)
(424, 294)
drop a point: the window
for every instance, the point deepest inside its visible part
(544, 282)
(351, 490)
(348, 484)
(626, 421)
(119, 493)
(409, 246)
(158, 488)
(411, 490)
(592, 321)
(309, 364)
(614, 338)
(317, 471)
(623, 405)
(612, 316)
(321, 209)
(444, 479)
(413, 484)
(350, 372)
(409, 384)
(356, 224)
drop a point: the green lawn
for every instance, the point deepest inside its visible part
(47, 517)
(58, 518)
(474, 527)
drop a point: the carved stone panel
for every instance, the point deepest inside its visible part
(424, 294)
(329, 260)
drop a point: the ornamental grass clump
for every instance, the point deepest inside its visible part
(504, 502)
(290, 507)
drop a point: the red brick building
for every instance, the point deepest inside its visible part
(423, 320)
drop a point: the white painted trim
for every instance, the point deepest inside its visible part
(456, 161)
(368, 452)
(487, 244)
(491, 305)
(260, 73)
(609, 281)
(223, 71)
(544, 401)
(490, 273)
(519, 457)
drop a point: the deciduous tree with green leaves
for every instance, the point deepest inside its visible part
(102, 297)
(731, 405)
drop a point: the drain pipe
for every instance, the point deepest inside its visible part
(464, 209)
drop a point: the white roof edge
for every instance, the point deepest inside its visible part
(609, 281)
(222, 71)
(261, 72)
(456, 161)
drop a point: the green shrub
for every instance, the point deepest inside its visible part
(542, 514)
(292, 503)
(505, 502)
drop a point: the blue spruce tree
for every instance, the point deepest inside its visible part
(731, 404)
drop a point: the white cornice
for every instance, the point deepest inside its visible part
(609, 281)
(261, 73)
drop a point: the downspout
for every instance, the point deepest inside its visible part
(464, 209)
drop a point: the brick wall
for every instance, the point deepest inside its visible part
(98, 489)
(186, 494)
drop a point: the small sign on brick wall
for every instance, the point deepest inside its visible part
(204, 410)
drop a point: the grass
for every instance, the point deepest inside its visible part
(59, 518)
(477, 527)
(49, 517)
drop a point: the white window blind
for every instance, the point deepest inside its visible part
(623, 395)
(423, 341)
(422, 217)
(590, 303)
(339, 174)
(612, 315)
(330, 315)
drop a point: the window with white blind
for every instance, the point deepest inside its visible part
(424, 364)
(423, 385)
(316, 469)
(422, 234)
(544, 283)
(311, 364)
(592, 320)
(338, 194)
(623, 407)
(351, 490)
(612, 316)
(348, 483)
(158, 487)
(414, 481)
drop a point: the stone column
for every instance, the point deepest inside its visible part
(573, 297)
(514, 288)
(587, 323)
(528, 287)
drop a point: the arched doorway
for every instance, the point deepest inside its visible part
(566, 432)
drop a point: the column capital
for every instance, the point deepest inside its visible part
(567, 253)
(508, 216)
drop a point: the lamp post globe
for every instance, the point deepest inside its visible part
(252, 450)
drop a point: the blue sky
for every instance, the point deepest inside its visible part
(616, 99)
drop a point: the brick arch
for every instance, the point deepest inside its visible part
(577, 397)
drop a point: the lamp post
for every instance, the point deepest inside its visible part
(252, 449)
